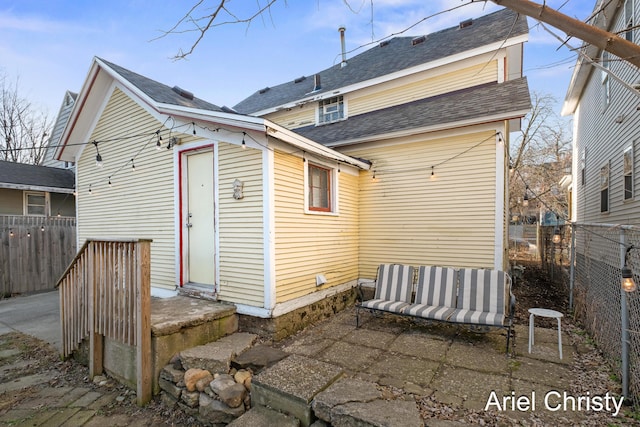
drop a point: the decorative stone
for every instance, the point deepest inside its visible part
(170, 373)
(192, 376)
(223, 381)
(190, 398)
(170, 388)
(168, 400)
(215, 412)
(202, 383)
(259, 357)
(176, 362)
(241, 376)
(233, 395)
(216, 356)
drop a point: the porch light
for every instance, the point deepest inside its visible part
(557, 237)
(628, 284)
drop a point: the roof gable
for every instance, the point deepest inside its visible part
(397, 54)
(30, 176)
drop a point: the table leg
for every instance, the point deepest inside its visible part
(531, 328)
(559, 338)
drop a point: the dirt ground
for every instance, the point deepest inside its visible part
(533, 290)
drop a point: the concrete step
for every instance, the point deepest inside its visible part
(259, 416)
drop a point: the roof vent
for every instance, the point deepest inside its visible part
(316, 82)
(418, 40)
(384, 43)
(466, 23)
(261, 91)
(183, 93)
(300, 79)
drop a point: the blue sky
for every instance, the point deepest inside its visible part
(48, 45)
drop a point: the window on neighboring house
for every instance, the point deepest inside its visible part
(606, 81)
(627, 167)
(604, 188)
(583, 164)
(320, 190)
(331, 110)
(35, 203)
(629, 9)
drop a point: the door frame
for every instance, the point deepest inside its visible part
(182, 204)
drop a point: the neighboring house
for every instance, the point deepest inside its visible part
(273, 213)
(433, 114)
(31, 190)
(606, 125)
(56, 133)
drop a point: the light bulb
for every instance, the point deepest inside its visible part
(98, 160)
(628, 284)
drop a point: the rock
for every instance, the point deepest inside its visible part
(247, 384)
(233, 396)
(241, 376)
(190, 398)
(259, 357)
(260, 416)
(192, 376)
(216, 356)
(99, 379)
(170, 373)
(377, 413)
(176, 362)
(223, 381)
(214, 412)
(170, 388)
(202, 383)
(342, 391)
(168, 400)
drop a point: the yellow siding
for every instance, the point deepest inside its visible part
(140, 204)
(411, 88)
(309, 244)
(241, 226)
(407, 217)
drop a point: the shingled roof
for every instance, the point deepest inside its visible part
(394, 55)
(23, 176)
(160, 92)
(491, 99)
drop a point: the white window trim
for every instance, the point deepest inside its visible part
(334, 186)
(629, 20)
(608, 187)
(26, 195)
(606, 80)
(344, 110)
(633, 175)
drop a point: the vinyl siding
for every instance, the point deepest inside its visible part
(411, 88)
(140, 204)
(406, 217)
(307, 244)
(240, 226)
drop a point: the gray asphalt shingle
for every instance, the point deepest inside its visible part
(31, 175)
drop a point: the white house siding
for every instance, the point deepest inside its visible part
(605, 140)
(418, 86)
(139, 204)
(308, 244)
(407, 217)
(240, 226)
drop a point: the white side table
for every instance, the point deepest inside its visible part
(543, 312)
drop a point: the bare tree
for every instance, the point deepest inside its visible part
(23, 129)
(540, 157)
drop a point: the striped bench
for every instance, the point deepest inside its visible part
(469, 296)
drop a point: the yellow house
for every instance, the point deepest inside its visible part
(284, 204)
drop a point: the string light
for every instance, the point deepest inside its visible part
(373, 178)
(433, 173)
(109, 182)
(133, 166)
(159, 140)
(98, 156)
(244, 145)
(10, 233)
(42, 228)
(628, 284)
(194, 127)
(90, 192)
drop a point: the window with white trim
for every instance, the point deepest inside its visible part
(583, 164)
(35, 203)
(331, 110)
(627, 171)
(320, 188)
(604, 188)
(629, 10)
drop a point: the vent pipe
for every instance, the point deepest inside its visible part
(342, 45)
(316, 82)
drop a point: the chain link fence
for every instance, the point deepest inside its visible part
(610, 315)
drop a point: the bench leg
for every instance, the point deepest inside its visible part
(508, 339)
(357, 317)
(559, 339)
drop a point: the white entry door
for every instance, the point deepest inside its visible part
(200, 219)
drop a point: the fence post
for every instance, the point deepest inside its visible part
(143, 325)
(572, 267)
(624, 320)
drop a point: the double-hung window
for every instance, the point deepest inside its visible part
(331, 110)
(35, 203)
(604, 188)
(629, 9)
(320, 188)
(627, 170)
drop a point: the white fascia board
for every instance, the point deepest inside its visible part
(434, 128)
(222, 118)
(490, 48)
(27, 187)
(310, 146)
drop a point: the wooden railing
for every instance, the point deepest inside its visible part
(106, 292)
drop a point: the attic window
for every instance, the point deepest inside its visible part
(261, 91)
(300, 79)
(418, 40)
(466, 23)
(330, 110)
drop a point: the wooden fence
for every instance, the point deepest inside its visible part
(34, 251)
(106, 292)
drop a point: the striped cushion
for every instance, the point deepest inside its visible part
(386, 305)
(436, 286)
(429, 311)
(394, 282)
(481, 297)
